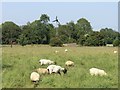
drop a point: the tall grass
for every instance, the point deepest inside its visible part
(18, 62)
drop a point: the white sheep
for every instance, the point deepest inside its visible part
(42, 71)
(69, 63)
(56, 69)
(46, 61)
(115, 51)
(34, 77)
(56, 51)
(66, 50)
(96, 72)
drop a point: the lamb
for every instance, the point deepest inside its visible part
(45, 61)
(56, 69)
(96, 72)
(42, 71)
(69, 63)
(66, 50)
(115, 51)
(34, 77)
(56, 51)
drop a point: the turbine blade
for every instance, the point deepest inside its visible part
(54, 21)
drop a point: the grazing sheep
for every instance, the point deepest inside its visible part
(69, 63)
(34, 77)
(96, 72)
(56, 69)
(42, 71)
(56, 51)
(66, 50)
(45, 61)
(115, 51)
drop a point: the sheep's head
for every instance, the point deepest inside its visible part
(36, 70)
(39, 61)
(55, 62)
(105, 74)
(48, 71)
(65, 71)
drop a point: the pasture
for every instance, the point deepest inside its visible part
(18, 62)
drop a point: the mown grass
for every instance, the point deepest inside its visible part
(18, 62)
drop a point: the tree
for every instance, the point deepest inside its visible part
(64, 38)
(0, 33)
(116, 42)
(81, 40)
(93, 39)
(27, 35)
(50, 32)
(22, 40)
(64, 33)
(42, 31)
(109, 35)
(44, 18)
(84, 26)
(72, 31)
(10, 32)
(38, 32)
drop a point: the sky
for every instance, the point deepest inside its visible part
(99, 14)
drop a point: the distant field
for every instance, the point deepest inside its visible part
(18, 62)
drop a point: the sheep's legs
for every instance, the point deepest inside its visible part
(48, 71)
(59, 73)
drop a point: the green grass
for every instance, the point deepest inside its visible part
(18, 62)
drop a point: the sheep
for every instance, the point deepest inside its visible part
(34, 77)
(66, 50)
(45, 61)
(69, 63)
(56, 51)
(56, 69)
(115, 51)
(42, 71)
(96, 72)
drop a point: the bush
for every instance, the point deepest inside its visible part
(63, 38)
(22, 40)
(55, 41)
(116, 42)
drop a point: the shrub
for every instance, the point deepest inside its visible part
(22, 40)
(116, 42)
(63, 38)
(55, 41)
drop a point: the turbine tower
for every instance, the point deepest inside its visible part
(58, 23)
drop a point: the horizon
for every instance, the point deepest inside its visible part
(99, 14)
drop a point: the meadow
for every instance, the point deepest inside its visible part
(18, 62)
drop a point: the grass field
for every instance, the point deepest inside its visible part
(18, 62)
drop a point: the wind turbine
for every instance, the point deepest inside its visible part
(58, 23)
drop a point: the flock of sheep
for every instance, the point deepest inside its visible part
(53, 68)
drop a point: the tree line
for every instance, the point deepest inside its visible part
(43, 32)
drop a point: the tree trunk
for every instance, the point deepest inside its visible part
(11, 43)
